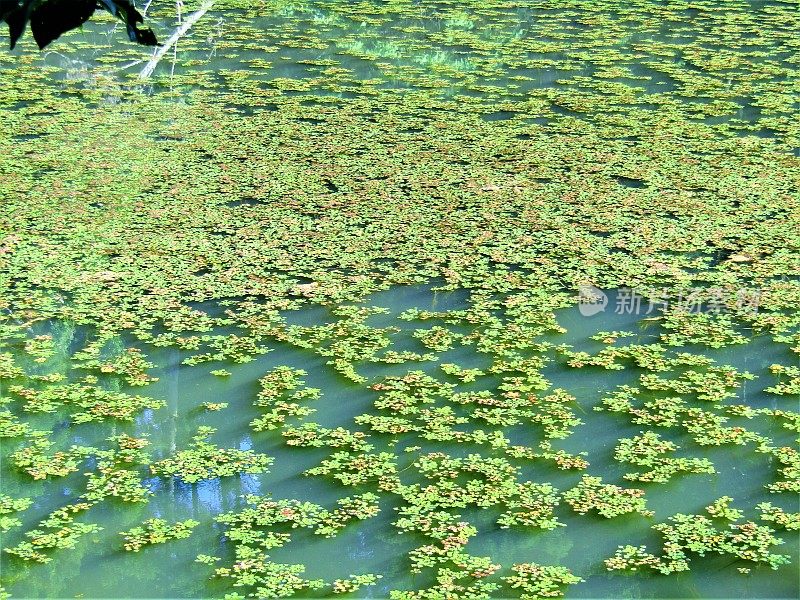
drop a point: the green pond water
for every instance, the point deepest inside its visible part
(98, 567)
(478, 161)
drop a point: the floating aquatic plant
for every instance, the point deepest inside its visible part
(34, 460)
(412, 143)
(87, 403)
(451, 581)
(314, 436)
(8, 368)
(360, 468)
(540, 581)
(58, 530)
(651, 451)
(156, 531)
(696, 534)
(720, 509)
(436, 338)
(791, 386)
(608, 500)
(353, 583)
(275, 397)
(203, 460)
(465, 375)
(777, 515)
(11, 426)
(215, 406)
(532, 506)
(129, 363)
(116, 474)
(256, 530)
(8, 506)
(40, 348)
(239, 349)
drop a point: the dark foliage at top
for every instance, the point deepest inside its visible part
(51, 18)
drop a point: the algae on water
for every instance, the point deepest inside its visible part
(404, 299)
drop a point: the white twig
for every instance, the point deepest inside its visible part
(173, 39)
(133, 63)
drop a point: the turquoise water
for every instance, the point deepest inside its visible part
(98, 567)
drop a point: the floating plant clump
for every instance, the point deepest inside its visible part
(96, 403)
(274, 387)
(32, 458)
(685, 535)
(203, 460)
(538, 581)
(411, 300)
(58, 530)
(11, 426)
(156, 531)
(779, 516)
(608, 500)
(9, 506)
(262, 527)
(116, 473)
(650, 450)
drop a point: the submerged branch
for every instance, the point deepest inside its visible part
(151, 65)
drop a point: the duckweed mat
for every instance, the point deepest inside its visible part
(399, 299)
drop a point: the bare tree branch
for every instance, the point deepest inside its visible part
(151, 65)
